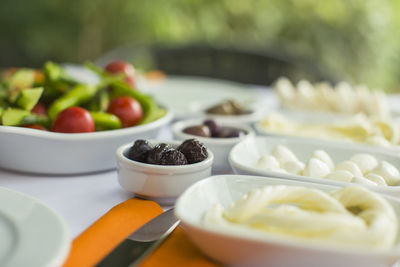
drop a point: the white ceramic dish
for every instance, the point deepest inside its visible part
(235, 250)
(244, 156)
(31, 233)
(160, 183)
(35, 151)
(219, 146)
(183, 94)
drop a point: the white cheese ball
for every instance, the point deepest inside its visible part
(365, 162)
(388, 172)
(268, 162)
(349, 166)
(294, 167)
(316, 168)
(376, 178)
(283, 154)
(341, 175)
(323, 156)
(363, 181)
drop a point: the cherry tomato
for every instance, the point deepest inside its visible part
(119, 66)
(131, 81)
(127, 109)
(39, 109)
(35, 126)
(73, 120)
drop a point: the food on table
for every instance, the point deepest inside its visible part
(347, 217)
(139, 150)
(127, 109)
(341, 98)
(73, 120)
(210, 128)
(49, 98)
(189, 152)
(193, 150)
(227, 107)
(360, 168)
(122, 67)
(358, 128)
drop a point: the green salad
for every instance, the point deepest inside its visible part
(50, 99)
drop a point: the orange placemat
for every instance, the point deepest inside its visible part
(107, 232)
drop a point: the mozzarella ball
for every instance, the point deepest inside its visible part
(341, 175)
(365, 162)
(294, 167)
(323, 156)
(388, 172)
(349, 166)
(376, 178)
(283, 154)
(268, 162)
(363, 181)
(316, 168)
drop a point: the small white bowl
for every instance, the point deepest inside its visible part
(43, 152)
(219, 146)
(244, 156)
(161, 183)
(236, 249)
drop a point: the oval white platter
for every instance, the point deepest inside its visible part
(244, 156)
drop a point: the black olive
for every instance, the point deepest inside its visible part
(154, 156)
(173, 157)
(193, 150)
(214, 128)
(199, 130)
(227, 132)
(139, 150)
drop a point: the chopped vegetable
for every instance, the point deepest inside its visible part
(37, 97)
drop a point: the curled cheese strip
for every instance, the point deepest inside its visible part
(358, 128)
(352, 216)
(255, 201)
(375, 211)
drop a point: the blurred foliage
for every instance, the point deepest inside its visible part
(354, 40)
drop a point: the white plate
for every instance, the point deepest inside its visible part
(244, 156)
(234, 249)
(31, 234)
(185, 95)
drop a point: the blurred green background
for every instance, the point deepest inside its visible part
(353, 40)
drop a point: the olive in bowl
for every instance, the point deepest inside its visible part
(218, 136)
(162, 170)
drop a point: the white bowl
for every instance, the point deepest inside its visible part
(219, 146)
(35, 151)
(244, 156)
(161, 183)
(235, 249)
